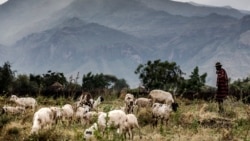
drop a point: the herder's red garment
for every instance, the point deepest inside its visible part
(222, 84)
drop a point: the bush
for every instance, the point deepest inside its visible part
(45, 135)
(145, 116)
(12, 133)
(4, 119)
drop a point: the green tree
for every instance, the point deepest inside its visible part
(91, 82)
(23, 85)
(6, 78)
(196, 81)
(240, 89)
(159, 75)
(120, 84)
(37, 82)
(51, 77)
(99, 82)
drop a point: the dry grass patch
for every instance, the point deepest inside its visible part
(194, 121)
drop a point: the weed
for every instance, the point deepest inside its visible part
(47, 134)
(4, 119)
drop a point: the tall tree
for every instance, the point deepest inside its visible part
(6, 78)
(159, 75)
(97, 82)
(51, 77)
(196, 81)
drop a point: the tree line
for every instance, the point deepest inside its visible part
(155, 74)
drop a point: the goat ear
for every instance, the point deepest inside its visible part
(2, 110)
(54, 114)
(102, 99)
(39, 120)
(175, 106)
(81, 97)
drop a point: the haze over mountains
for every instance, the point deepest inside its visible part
(115, 36)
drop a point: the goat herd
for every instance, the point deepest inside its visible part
(85, 109)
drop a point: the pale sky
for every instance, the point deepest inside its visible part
(237, 4)
(2, 1)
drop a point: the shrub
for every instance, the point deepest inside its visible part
(45, 135)
(13, 131)
(4, 119)
(145, 116)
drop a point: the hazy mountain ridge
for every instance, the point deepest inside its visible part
(69, 47)
(18, 15)
(115, 36)
(190, 9)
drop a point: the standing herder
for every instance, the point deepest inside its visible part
(222, 85)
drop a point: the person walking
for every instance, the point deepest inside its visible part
(222, 86)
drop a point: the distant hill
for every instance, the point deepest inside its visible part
(190, 9)
(115, 36)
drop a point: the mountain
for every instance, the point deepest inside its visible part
(17, 16)
(115, 36)
(190, 9)
(79, 46)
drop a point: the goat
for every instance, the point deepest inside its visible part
(161, 112)
(13, 110)
(89, 132)
(67, 113)
(114, 118)
(130, 123)
(163, 97)
(24, 101)
(44, 117)
(129, 103)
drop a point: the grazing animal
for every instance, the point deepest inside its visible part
(58, 113)
(114, 118)
(86, 99)
(44, 117)
(163, 97)
(89, 132)
(91, 117)
(24, 101)
(97, 102)
(13, 110)
(129, 103)
(161, 112)
(143, 102)
(81, 112)
(67, 113)
(131, 123)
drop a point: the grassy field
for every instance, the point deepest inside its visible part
(194, 121)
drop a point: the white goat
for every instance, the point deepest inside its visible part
(129, 103)
(163, 97)
(97, 102)
(13, 110)
(91, 117)
(67, 113)
(58, 113)
(89, 101)
(130, 123)
(143, 102)
(24, 101)
(44, 117)
(116, 119)
(89, 133)
(85, 99)
(80, 113)
(161, 112)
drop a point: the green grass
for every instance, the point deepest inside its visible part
(188, 123)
